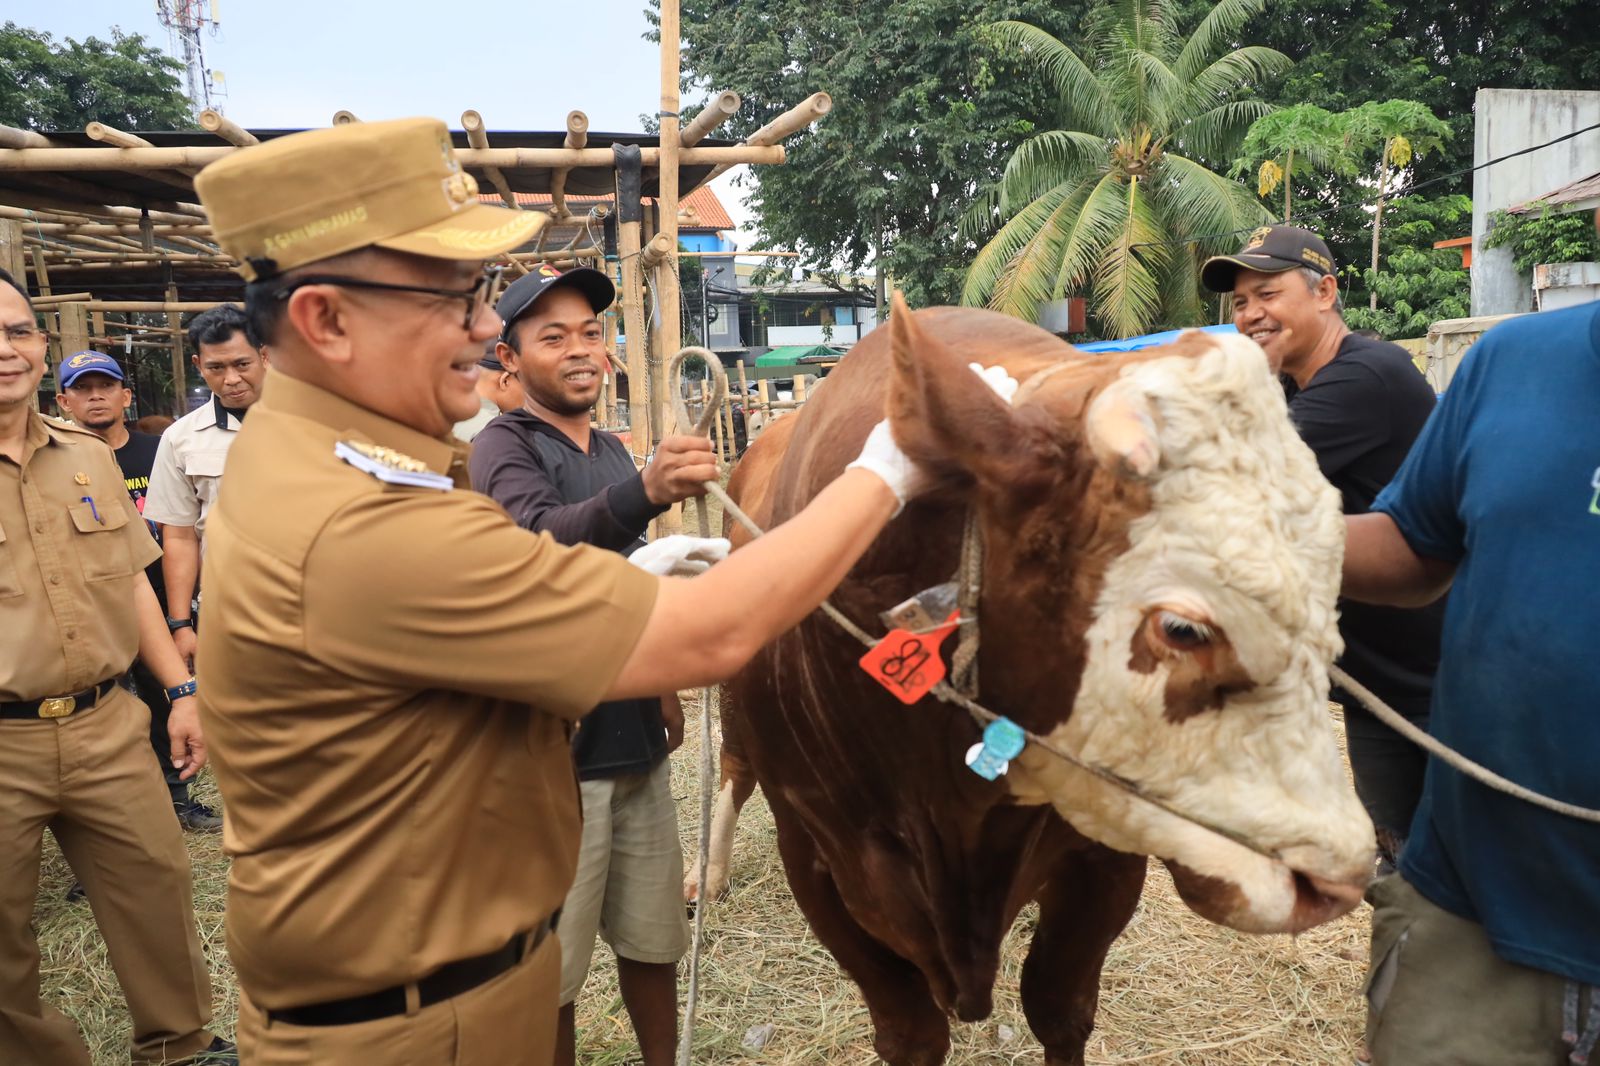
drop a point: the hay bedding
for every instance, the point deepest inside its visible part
(1177, 990)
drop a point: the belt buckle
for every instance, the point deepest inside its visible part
(57, 707)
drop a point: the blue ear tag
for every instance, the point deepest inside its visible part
(1003, 741)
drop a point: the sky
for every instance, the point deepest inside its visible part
(293, 63)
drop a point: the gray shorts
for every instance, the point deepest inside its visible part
(1438, 995)
(629, 887)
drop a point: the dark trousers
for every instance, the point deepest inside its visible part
(154, 696)
(1388, 768)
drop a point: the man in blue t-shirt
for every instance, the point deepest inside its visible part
(1486, 947)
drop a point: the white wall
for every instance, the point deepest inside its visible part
(1508, 120)
(778, 336)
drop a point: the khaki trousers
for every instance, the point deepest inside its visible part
(509, 1021)
(88, 777)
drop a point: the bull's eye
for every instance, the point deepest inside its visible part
(1183, 634)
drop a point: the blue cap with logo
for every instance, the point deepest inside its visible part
(83, 363)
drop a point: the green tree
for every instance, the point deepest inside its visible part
(1303, 140)
(1419, 284)
(1400, 130)
(1120, 200)
(65, 85)
(1542, 236)
(922, 117)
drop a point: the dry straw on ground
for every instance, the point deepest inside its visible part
(1177, 991)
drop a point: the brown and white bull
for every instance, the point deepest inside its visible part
(1161, 564)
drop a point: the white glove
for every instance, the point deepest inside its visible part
(1004, 385)
(680, 555)
(883, 457)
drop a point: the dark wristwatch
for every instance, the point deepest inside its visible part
(175, 624)
(178, 692)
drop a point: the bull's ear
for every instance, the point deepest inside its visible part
(944, 415)
(1121, 428)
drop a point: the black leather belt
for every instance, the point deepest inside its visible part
(58, 706)
(448, 981)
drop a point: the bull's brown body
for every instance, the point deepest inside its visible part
(908, 866)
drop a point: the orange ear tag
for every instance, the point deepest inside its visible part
(909, 664)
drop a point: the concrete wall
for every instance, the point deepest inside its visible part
(1508, 120)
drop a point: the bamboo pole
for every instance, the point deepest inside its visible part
(591, 252)
(657, 252)
(13, 250)
(44, 220)
(344, 118)
(632, 296)
(212, 121)
(577, 137)
(74, 339)
(156, 159)
(728, 435)
(28, 204)
(718, 110)
(666, 273)
(744, 386)
(797, 118)
(477, 137)
(61, 192)
(41, 273)
(99, 131)
(152, 306)
(180, 405)
(11, 137)
(130, 255)
(61, 298)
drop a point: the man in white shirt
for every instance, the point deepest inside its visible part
(188, 466)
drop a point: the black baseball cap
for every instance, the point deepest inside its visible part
(521, 294)
(1271, 250)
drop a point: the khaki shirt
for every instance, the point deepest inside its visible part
(488, 411)
(388, 678)
(67, 567)
(188, 469)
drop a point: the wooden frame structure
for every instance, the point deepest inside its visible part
(105, 227)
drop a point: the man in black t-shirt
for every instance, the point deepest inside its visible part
(95, 395)
(556, 474)
(1359, 403)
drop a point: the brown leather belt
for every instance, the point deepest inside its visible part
(448, 981)
(58, 706)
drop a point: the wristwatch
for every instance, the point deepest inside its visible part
(175, 624)
(178, 692)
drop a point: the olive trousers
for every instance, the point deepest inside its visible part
(88, 778)
(509, 1021)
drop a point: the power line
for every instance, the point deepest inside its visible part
(1412, 191)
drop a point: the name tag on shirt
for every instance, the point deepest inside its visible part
(393, 475)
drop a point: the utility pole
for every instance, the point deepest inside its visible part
(184, 20)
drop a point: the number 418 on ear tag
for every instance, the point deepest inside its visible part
(909, 664)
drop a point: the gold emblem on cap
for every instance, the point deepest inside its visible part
(1258, 237)
(388, 457)
(80, 478)
(460, 188)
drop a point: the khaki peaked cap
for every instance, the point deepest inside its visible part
(314, 195)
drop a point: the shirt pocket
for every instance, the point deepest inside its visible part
(102, 548)
(204, 471)
(10, 584)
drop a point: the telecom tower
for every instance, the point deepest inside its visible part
(184, 20)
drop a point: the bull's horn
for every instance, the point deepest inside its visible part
(1121, 427)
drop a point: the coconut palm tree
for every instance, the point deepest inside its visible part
(1113, 202)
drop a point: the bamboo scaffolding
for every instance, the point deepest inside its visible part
(152, 306)
(44, 300)
(99, 131)
(478, 137)
(344, 118)
(589, 252)
(81, 195)
(157, 159)
(13, 249)
(180, 405)
(718, 110)
(577, 137)
(18, 206)
(792, 121)
(658, 251)
(212, 121)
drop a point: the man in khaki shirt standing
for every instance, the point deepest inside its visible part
(75, 607)
(391, 668)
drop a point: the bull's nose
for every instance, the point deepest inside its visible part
(1347, 893)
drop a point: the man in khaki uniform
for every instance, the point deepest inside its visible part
(391, 667)
(75, 607)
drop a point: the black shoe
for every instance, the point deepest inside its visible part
(198, 817)
(219, 1052)
(76, 894)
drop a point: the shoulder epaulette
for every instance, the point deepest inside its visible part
(390, 466)
(70, 427)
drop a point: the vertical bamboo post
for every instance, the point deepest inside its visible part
(667, 199)
(799, 389)
(13, 259)
(728, 433)
(766, 399)
(41, 273)
(744, 386)
(629, 222)
(180, 401)
(74, 338)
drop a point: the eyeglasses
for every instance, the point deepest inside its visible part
(477, 298)
(25, 338)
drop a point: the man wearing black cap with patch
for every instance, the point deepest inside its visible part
(1359, 403)
(499, 391)
(555, 473)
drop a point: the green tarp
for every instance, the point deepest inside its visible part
(793, 353)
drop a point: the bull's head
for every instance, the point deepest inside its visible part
(1162, 563)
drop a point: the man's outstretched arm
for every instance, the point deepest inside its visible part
(1381, 567)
